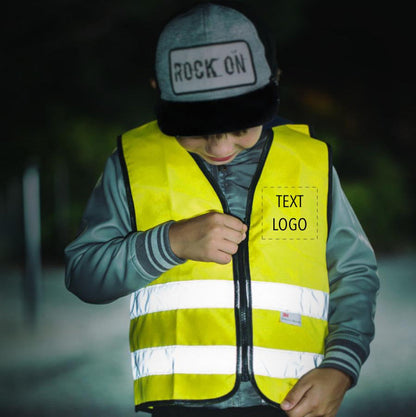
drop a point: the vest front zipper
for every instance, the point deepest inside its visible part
(243, 280)
(241, 272)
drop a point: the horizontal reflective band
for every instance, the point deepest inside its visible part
(166, 360)
(220, 360)
(220, 294)
(182, 294)
(284, 363)
(290, 298)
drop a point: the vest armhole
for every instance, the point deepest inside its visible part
(127, 184)
(312, 132)
(329, 204)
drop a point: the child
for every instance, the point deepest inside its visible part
(253, 285)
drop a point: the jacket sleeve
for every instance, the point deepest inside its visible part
(108, 259)
(354, 284)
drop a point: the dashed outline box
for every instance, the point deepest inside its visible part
(289, 238)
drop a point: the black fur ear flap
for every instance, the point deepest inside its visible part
(218, 116)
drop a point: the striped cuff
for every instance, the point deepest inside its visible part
(154, 254)
(345, 356)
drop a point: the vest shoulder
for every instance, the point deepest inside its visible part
(297, 131)
(144, 130)
(300, 127)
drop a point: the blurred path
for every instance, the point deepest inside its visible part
(388, 378)
(76, 361)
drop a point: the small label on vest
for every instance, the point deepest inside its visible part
(291, 318)
(290, 213)
(211, 67)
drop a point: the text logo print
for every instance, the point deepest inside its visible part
(290, 213)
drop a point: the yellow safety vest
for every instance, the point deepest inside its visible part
(201, 328)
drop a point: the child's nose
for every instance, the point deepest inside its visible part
(219, 146)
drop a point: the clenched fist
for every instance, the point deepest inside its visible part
(212, 237)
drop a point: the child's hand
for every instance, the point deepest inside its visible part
(212, 237)
(317, 393)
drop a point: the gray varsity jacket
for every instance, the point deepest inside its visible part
(109, 260)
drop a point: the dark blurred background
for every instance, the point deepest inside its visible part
(76, 74)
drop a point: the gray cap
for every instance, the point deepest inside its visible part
(210, 60)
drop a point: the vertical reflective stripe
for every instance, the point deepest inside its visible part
(182, 294)
(168, 360)
(220, 294)
(290, 298)
(283, 363)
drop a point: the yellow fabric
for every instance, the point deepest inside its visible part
(166, 184)
(275, 388)
(300, 168)
(309, 337)
(197, 328)
(165, 387)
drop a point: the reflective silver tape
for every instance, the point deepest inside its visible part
(220, 360)
(220, 294)
(166, 360)
(283, 363)
(290, 298)
(182, 294)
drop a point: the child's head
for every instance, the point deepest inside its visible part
(221, 148)
(215, 71)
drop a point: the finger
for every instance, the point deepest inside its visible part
(221, 258)
(234, 236)
(294, 396)
(228, 247)
(234, 223)
(304, 408)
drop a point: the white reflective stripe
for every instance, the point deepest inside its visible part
(220, 294)
(284, 363)
(166, 360)
(182, 294)
(220, 360)
(289, 298)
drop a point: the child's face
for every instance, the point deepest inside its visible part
(222, 148)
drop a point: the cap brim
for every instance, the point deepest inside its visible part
(218, 116)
